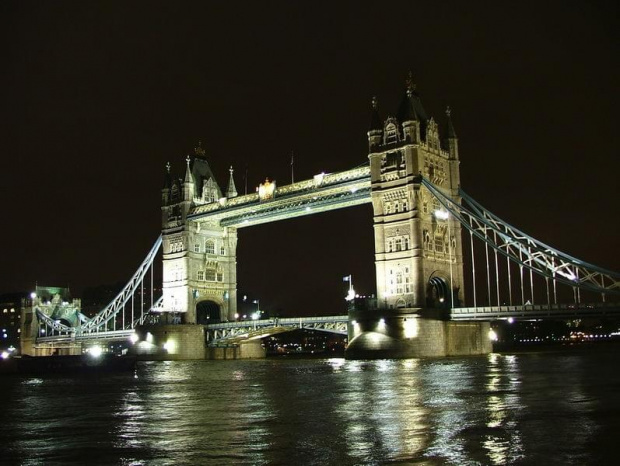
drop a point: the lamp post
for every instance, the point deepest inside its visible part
(443, 215)
(256, 315)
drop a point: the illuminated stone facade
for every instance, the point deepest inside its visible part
(418, 252)
(199, 256)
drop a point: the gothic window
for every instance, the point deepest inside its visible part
(222, 251)
(406, 242)
(398, 244)
(391, 133)
(388, 207)
(405, 205)
(220, 277)
(197, 247)
(427, 239)
(210, 191)
(399, 282)
(210, 275)
(439, 243)
(390, 245)
(396, 206)
(209, 247)
(200, 275)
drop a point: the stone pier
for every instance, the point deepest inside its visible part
(413, 333)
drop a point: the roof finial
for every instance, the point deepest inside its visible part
(375, 102)
(187, 159)
(410, 84)
(199, 150)
(448, 111)
(231, 170)
(168, 167)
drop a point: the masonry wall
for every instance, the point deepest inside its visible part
(404, 333)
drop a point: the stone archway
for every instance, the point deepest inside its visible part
(208, 312)
(438, 293)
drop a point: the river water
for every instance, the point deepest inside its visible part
(531, 408)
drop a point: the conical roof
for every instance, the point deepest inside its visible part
(232, 189)
(449, 126)
(375, 119)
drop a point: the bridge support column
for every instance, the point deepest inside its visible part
(251, 349)
(413, 333)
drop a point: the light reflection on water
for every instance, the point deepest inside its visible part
(496, 409)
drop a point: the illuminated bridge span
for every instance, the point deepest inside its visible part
(436, 249)
(231, 332)
(520, 251)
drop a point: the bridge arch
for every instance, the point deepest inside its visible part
(208, 312)
(438, 292)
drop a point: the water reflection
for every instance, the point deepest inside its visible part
(500, 409)
(503, 442)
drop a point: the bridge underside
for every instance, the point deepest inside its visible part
(237, 332)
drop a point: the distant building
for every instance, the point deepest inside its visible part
(10, 319)
(54, 303)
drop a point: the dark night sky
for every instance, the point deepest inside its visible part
(97, 96)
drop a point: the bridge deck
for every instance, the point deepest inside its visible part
(557, 311)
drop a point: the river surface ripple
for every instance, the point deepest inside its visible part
(532, 408)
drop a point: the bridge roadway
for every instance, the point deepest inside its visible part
(235, 332)
(536, 311)
(322, 193)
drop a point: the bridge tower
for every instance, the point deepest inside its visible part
(418, 250)
(199, 256)
(418, 253)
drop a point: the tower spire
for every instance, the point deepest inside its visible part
(188, 174)
(232, 189)
(451, 141)
(450, 127)
(375, 119)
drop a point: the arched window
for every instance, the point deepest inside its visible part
(209, 247)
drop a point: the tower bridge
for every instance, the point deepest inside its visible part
(445, 265)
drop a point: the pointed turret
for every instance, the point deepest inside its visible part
(188, 182)
(375, 119)
(451, 141)
(165, 190)
(411, 114)
(232, 189)
(411, 110)
(375, 132)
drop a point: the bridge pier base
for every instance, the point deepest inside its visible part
(251, 349)
(170, 342)
(187, 342)
(413, 333)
